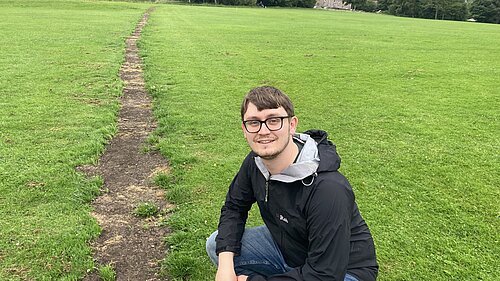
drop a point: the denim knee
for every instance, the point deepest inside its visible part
(210, 247)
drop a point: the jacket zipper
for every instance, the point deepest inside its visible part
(267, 190)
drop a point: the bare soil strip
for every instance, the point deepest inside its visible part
(133, 246)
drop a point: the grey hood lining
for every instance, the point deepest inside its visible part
(306, 164)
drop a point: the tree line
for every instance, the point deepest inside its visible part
(478, 10)
(262, 3)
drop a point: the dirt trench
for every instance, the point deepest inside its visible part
(132, 245)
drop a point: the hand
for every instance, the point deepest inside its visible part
(224, 274)
(242, 278)
(225, 271)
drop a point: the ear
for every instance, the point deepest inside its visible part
(294, 122)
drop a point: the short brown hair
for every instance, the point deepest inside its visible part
(267, 97)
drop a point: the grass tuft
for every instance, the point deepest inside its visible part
(146, 210)
(107, 273)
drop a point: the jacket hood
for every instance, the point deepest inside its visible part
(327, 151)
(314, 145)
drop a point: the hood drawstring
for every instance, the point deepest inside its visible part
(313, 176)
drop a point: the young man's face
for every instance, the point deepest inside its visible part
(265, 143)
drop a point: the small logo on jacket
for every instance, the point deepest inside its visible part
(282, 218)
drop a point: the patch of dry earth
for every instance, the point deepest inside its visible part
(134, 246)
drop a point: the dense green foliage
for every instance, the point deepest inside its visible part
(236, 2)
(58, 88)
(479, 10)
(290, 3)
(486, 10)
(412, 105)
(281, 3)
(460, 10)
(430, 9)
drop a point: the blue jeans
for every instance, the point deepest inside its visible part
(259, 254)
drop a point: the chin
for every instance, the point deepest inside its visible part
(267, 156)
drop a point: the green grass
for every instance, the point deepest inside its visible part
(412, 105)
(146, 210)
(107, 273)
(58, 99)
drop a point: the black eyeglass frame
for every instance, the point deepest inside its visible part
(265, 122)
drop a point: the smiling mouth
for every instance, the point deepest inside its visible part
(264, 141)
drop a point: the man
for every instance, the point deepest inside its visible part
(313, 229)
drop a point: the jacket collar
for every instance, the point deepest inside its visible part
(307, 162)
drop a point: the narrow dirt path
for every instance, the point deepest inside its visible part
(132, 245)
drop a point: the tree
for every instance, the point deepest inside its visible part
(457, 10)
(383, 5)
(444, 9)
(290, 3)
(369, 6)
(486, 10)
(429, 9)
(306, 3)
(237, 2)
(409, 8)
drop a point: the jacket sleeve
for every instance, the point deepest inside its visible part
(234, 213)
(328, 212)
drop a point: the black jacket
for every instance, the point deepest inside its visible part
(324, 236)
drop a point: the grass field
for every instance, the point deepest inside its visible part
(59, 64)
(412, 104)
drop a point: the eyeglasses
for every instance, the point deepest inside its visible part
(272, 123)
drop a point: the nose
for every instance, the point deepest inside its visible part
(264, 130)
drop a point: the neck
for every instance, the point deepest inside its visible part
(283, 160)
